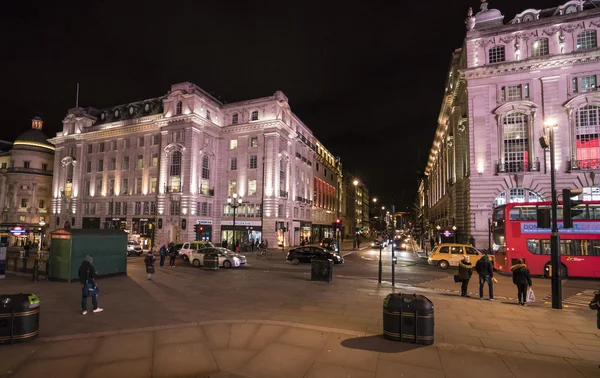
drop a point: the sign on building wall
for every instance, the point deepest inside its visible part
(578, 228)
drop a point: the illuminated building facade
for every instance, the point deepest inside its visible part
(160, 166)
(503, 86)
(327, 181)
(25, 185)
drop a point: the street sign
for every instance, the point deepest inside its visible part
(17, 231)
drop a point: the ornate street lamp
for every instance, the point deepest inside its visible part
(355, 182)
(234, 203)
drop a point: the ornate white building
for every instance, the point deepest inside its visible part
(506, 81)
(158, 167)
(25, 185)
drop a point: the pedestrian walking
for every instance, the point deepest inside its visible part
(89, 287)
(432, 243)
(472, 241)
(163, 255)
(465, 270)
(485, 269)
(595, 305)
(172, 255)
(149, 262)
(522, 279)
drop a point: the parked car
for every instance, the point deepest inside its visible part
(450, 254)
(306, 254)
(133, 248)
(185, 252)
(227, 258)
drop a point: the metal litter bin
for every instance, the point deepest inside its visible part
(321, 270)
(211, 261)
(19, 318)
(408, 318)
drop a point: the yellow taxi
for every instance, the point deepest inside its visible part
(449, 254)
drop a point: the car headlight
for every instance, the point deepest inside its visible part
(372, 244)
(236, 259)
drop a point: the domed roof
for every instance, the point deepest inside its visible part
(34, 137)
(488, 17)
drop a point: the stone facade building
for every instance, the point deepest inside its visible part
(160, 166)
(26, 185)
(506, 82)
(327, 184)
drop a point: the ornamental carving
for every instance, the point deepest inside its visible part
(595, 23)
(564, 28)
(485, 42)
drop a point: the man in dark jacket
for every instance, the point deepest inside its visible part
(522, 279)
(465, 270)
(163, 255)
(149, 262)
(485, 269)
(89, 288)
(172, 255)
(595, 305)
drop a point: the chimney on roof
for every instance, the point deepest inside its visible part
(37, 123)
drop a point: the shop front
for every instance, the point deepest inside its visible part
(246, 232)
(322, 231)
(306, 233)
(117, 223)
(143, 230)
(204, 230)
(90, 223)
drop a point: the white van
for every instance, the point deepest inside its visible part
(186, 250)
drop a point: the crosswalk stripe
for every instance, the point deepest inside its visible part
(580, 299)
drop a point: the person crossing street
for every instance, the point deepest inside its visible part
(485, 269)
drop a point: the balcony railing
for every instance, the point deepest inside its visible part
(206, 191)
(584, 164)
(283, 194)
(518, 166)
(174, 189)
(27, 170)
(298, 155)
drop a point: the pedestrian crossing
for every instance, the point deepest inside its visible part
(580, 300)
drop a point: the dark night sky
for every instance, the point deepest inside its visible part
(367, 78)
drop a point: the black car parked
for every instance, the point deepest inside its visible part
(306, 254)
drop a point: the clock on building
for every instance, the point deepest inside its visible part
(571, 9)
(147, 107)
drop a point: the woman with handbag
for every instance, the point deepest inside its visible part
(149, 262)
(89, 288)
(522, 279)
(595, 305)
(465, 270)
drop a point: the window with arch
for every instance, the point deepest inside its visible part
(234, 119)
(254, 115)
(591, 193)
(205, 176)
(539, 47)
(496, 54)
(282, 175)
(175, 172)
(587, 40)
(517, 195)
(515, 135)
(587, 137)
(179, 108)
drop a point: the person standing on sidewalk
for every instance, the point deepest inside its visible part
(522, 279)
(432, 243)
(89, 287)
(149, 262)
(485, 269)
(465, 270)
(163, 255)
(172, 255)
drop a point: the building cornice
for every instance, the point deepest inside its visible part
(533, 64)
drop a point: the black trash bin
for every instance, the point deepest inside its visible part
(19, 318)
(211, 261)
(408, 318)
(321, 270)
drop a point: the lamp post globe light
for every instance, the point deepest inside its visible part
(234, 202)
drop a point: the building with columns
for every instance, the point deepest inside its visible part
(158, 167)
(504, 84)
(25, 185)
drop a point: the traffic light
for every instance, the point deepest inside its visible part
(568, 205)
(196, 228)
(337, 226)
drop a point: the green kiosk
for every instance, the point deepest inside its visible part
(68, 248)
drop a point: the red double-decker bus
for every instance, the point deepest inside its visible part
(517, 236)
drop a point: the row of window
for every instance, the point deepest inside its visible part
(233, 143)
(586, 40)
(232, 187)
(252, 163)
(235, 117)
(124, 189)
(112, 145)
(580, 212)
(26, 164)
(112, 163)
(567, 247)
(25, 203)
(248, 210)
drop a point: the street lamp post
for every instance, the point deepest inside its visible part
(554, 237)
(354, 218)
(234, 203)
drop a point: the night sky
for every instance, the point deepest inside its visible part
(366, 77)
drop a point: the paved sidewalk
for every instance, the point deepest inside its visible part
(494, 334)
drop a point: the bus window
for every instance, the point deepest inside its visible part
(498, 239)
(594, 248)
(456, 250)
(545, 247)
(579, 212)
(515, 213)
(559, 212)
(534, 246)
(529, 213)
(594, 211)
(565, 247)
(499, 214)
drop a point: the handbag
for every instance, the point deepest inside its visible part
(594, 305)
(457, 278)
(530, 295)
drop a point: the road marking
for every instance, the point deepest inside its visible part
(581, 300)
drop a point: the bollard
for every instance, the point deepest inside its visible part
(36, 271)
